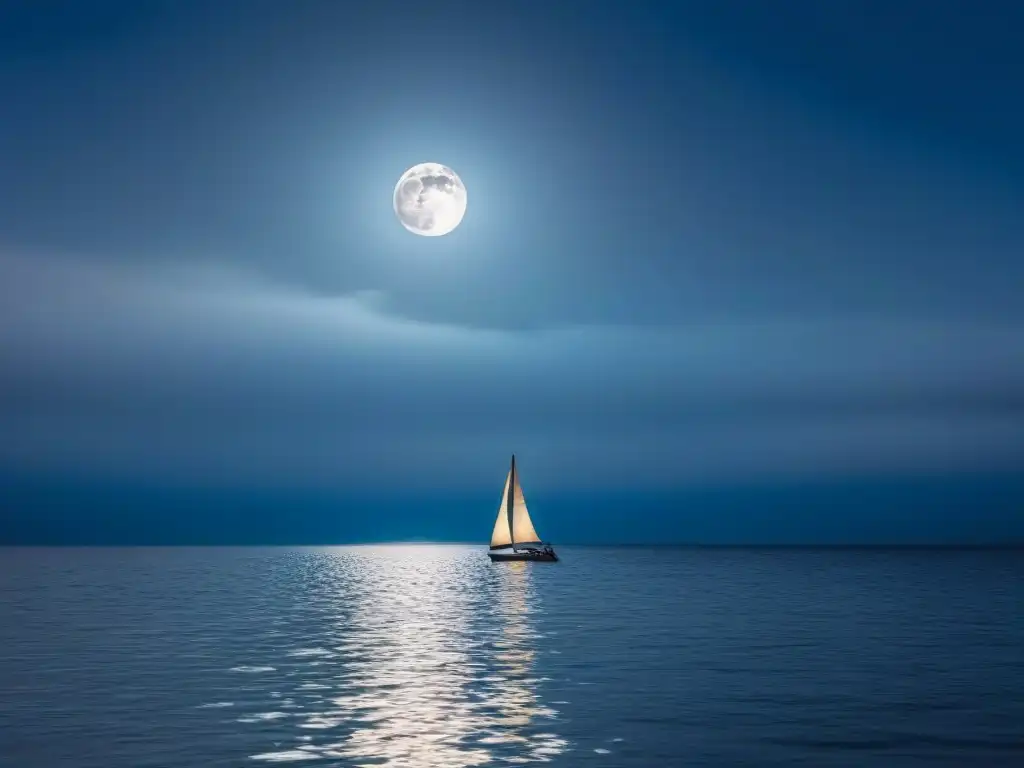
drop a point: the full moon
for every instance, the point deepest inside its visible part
(430, 199)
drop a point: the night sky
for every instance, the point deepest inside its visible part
(731, 272)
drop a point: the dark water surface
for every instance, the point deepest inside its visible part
(432, 656)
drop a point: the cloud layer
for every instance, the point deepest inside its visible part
(216, 374)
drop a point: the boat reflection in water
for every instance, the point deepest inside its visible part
(513, 688)
(429, 663)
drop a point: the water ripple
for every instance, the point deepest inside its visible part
(432, 656)
(423, 657)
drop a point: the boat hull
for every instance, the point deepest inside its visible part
(534, 555)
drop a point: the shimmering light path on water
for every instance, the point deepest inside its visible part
(410, 656)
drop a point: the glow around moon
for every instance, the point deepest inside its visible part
(430, 200)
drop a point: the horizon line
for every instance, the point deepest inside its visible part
(1012, 545)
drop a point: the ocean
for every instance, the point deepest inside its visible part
(426, 655)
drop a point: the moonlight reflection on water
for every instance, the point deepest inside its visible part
(426, 661)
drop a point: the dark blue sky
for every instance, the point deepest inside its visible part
(726, 266)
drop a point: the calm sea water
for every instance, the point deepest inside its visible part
(432, 656)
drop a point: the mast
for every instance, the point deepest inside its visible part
(510, 502)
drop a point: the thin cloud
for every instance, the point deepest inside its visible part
(216, 372)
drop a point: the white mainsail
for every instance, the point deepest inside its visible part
(513, 525)
(523, 531)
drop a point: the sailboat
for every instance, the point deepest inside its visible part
(514, 537)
